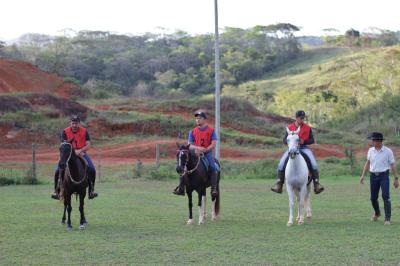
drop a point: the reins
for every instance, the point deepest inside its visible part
(188, 172)
(68, 172)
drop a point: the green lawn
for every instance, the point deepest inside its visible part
(141, 222)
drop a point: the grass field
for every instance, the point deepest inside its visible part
(141, 222)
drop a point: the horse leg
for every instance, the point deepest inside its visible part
(302, 194)
(65, 210)
(190, 221)
(307, 203)
(291, 204)
(204, 198)
(201, 207)
(83, 222)
(69, 209)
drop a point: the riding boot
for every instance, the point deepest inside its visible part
(56, 193)
(92, 194)
(318, 188)
(214, 181)
(180, 189)
(279, 182)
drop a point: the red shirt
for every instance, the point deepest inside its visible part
(202, 138)
(79, 137)
(305, 130)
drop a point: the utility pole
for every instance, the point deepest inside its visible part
(217, 84)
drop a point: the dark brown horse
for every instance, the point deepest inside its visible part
(196, 177)
(74, 179)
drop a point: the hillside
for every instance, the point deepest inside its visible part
(127, 128)
(350, 90)
(21, 77)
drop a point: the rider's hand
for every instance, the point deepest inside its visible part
(77, 152)
(202, 149)
(301, 141)
(362, 179)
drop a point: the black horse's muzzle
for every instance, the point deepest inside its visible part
(179, 169)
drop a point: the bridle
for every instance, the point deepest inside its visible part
(67, 171)
(185, 170)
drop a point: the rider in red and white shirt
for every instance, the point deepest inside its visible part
(306, 138)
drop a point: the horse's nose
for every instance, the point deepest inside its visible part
(179, 170)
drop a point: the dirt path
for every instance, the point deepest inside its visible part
(129, 153)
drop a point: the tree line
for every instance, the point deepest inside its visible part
(156, 64)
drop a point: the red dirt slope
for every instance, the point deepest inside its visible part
(19, 76)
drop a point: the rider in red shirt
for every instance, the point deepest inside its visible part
(306, 138)
(81, 144)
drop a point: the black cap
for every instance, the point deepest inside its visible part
(376, 136)
(200, 113)
(75, 118)
(300, 114)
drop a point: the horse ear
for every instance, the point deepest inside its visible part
(187, 146)
(298, 130)
(287, 130)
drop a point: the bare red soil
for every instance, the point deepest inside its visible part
(19, 76)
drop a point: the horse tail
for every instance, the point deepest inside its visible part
(217, 200)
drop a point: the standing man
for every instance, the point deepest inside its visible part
(306, 138)
(379, 160)
(81, 144)
(203, 140)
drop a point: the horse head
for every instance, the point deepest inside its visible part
(292, 141)
(66, 151)
(182, 158)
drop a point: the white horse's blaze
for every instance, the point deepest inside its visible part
(296, 175)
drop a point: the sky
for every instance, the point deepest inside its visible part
(136, 17)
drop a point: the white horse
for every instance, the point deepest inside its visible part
(296, 174)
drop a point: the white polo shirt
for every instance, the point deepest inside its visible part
(380, 160)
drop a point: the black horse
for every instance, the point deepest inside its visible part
(196, 177)
(73, 179)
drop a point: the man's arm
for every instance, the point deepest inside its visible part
(394, 172)
(366, 167)
(310, 139)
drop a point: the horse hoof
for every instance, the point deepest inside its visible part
(309, 218)
(201, 222)
(69, 228)
(62, 222)
(300, 223)
(189, 222)
(81, 227)
(213, 218)
(289, 224)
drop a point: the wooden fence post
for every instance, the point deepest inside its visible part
(33, 161)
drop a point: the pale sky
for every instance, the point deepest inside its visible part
(193, 16)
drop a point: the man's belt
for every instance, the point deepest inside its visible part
(380, 173)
